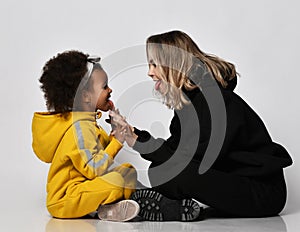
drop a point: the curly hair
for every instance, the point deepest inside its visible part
(60, 79)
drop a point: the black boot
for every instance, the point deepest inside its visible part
(156, 207)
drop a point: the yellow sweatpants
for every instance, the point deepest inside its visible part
(86, 197)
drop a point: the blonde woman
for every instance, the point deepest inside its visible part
(219, 152)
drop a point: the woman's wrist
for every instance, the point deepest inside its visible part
(131, 139)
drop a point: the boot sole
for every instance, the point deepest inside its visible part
(156, 207)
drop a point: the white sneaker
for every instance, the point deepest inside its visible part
(121, 211)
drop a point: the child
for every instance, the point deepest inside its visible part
(80, 152)
(243, 177)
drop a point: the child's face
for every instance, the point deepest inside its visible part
(99, 90)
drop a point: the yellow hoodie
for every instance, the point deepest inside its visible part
(80, 154)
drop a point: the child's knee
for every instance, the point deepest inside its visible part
(127, 165)
(126, 169)
(114, 178)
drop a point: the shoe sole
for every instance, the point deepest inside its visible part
(156, 207)
(121, 211)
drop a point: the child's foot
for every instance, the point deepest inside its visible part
(156, 207)
(121, 211)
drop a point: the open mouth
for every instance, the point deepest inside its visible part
(111, 104)
(157, 84)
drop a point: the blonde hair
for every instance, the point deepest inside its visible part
(174, 55)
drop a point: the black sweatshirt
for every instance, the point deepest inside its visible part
(247, 148)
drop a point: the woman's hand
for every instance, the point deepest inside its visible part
(119, 133)
(130, 137)
(122, 128)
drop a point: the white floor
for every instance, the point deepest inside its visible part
(37, 219)
(274, 224)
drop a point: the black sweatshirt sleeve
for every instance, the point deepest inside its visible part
(157, 150)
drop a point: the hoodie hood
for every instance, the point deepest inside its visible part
(201, 77)
(231, 84)
(49, 129)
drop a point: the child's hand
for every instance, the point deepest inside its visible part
(123, 129)
(116, 119)
(119, 133)
(118, 125)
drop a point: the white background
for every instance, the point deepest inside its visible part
(261, 37)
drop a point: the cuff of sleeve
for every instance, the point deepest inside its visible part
(136, 131)
(143, 136)
(113, 147)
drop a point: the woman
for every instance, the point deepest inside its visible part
(219, 152)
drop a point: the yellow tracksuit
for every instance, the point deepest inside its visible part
(80, 154)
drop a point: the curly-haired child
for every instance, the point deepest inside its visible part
(79, 182)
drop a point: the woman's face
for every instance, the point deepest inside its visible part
(155, 74)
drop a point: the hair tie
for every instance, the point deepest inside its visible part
(89, 64)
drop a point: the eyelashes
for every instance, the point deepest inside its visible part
(151, 62)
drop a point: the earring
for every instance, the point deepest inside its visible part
(98, 114)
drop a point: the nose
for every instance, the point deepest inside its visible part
(109, 90)
(151, 72)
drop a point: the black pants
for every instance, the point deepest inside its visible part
(230, 194)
